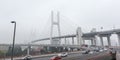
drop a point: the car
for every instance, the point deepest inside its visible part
(85, 52)
(105, 49)
(91, 52)
(96, 50)
(101, 50)
(55, 58)
(27, 57)
(63, 54)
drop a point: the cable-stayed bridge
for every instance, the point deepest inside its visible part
(88, 36)
(79, 35)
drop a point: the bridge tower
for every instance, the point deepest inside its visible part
(79, 35)
(55, 23)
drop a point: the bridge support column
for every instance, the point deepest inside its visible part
(101, 39)
(93, 41)
(65, 41)
(72, 40)
(79, 36)
(108, 39)
(83, 41)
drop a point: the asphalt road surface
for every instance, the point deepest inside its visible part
(48, 58)
(72, 55)
(82, 57)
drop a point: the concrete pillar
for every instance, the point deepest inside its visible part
(92, 42)
(83, 41)
(65, 41)
(72, 40)
(95, 40)
(101, 39)
(79, 35)
(108, 39)
(118, 38)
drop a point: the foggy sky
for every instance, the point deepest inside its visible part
(33, 17)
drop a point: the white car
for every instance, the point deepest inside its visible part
(63, 54)
(27, 57)
(91, 52)
(101, 50)
(105, 49)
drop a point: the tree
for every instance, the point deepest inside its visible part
(2, 53)
(17, 51)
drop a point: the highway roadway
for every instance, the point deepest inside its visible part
(48, 58)
(71, 56)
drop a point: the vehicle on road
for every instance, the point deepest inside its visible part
(27, 57)
(85, 52)
(63, 54)
(91, 52)
(101, 50)
(96, 50)
(55, 58)
(105, 49)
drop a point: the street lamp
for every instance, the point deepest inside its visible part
(13, 39)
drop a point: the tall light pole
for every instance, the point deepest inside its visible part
(13, 39)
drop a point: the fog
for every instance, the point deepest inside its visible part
(33, 17)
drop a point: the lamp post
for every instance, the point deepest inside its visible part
(13, 39)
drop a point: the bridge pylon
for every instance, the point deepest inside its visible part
(55, 23)
(79, 35)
